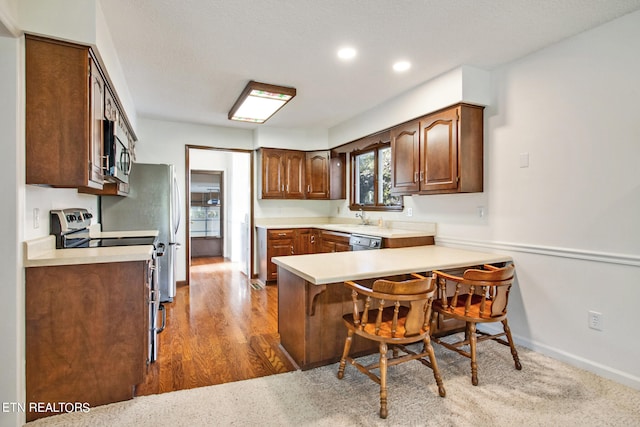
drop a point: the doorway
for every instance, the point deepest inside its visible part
(220, 204)
(206, 213)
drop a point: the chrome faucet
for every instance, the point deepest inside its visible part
(363, 217)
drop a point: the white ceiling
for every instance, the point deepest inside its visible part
(188, 60)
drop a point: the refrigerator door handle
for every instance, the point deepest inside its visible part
(176, 204)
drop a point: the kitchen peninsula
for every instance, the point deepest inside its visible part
(312, 297)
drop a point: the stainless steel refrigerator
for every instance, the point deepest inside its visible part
(152, 204)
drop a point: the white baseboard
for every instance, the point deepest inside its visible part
(569, 358)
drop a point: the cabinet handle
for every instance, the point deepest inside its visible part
(282, 234)
(292, 253)
(308, 188)
(313, 239)
(421, 176)
(105, 167)
(415, 176)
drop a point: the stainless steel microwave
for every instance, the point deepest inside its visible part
(118, 160)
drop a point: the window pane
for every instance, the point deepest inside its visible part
(384, 184)
(365, 168)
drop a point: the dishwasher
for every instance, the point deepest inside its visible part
(360, 242)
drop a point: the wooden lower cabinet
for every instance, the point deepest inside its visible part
(301, 241)
(333, 241)
(273, 243)
(86, 333)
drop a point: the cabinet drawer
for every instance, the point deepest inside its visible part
(280, 234)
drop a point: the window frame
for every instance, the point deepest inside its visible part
(353, 206)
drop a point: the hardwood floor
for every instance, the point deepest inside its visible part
(219, 329)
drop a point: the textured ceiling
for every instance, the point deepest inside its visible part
(188, 60)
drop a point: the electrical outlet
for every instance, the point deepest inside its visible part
(595, 320)
(36, 218)
(409, 211)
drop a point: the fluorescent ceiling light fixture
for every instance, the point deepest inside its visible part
(347, 53)
(259, 101)
(401, 66)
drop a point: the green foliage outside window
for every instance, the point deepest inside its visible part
(372, 174)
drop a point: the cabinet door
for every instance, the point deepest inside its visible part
(294, 173)
(326, 246)
(273, 177)
(85, 332)
(303, 242)
(281, 247)
(405, 158)
(317, 175)
(97, 116)
(439, 151)
(57, 114)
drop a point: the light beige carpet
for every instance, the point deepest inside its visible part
(545, 393)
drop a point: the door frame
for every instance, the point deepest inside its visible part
(187, 178)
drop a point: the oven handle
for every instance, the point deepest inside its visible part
(164, 318)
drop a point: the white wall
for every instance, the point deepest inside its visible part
(570, 220)
(164, 142)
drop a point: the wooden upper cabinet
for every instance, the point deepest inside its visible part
(63, 90)
(317, 175)
(273, 176)
(445, 155)
(405, 158)
(439, 151)
(282, 174)
(293, 174)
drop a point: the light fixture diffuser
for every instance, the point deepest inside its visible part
(259, 101)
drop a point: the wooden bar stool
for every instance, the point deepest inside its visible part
(480, 296)
(393, 314)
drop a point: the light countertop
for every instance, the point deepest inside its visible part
(42, 252)
(335, 267)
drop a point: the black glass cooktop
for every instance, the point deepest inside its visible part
(121, 241)
(109, 242)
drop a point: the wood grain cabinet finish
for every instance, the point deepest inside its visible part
(273, 243)
(334, 241)
(305, 241)
(64, 105)
(317, 172)
(68, 97)
(86, 332)
(293, 174)
(282, 174)
(405, 158)
(439, 153)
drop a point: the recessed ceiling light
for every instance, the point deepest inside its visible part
(401, 66)
(347, 53)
